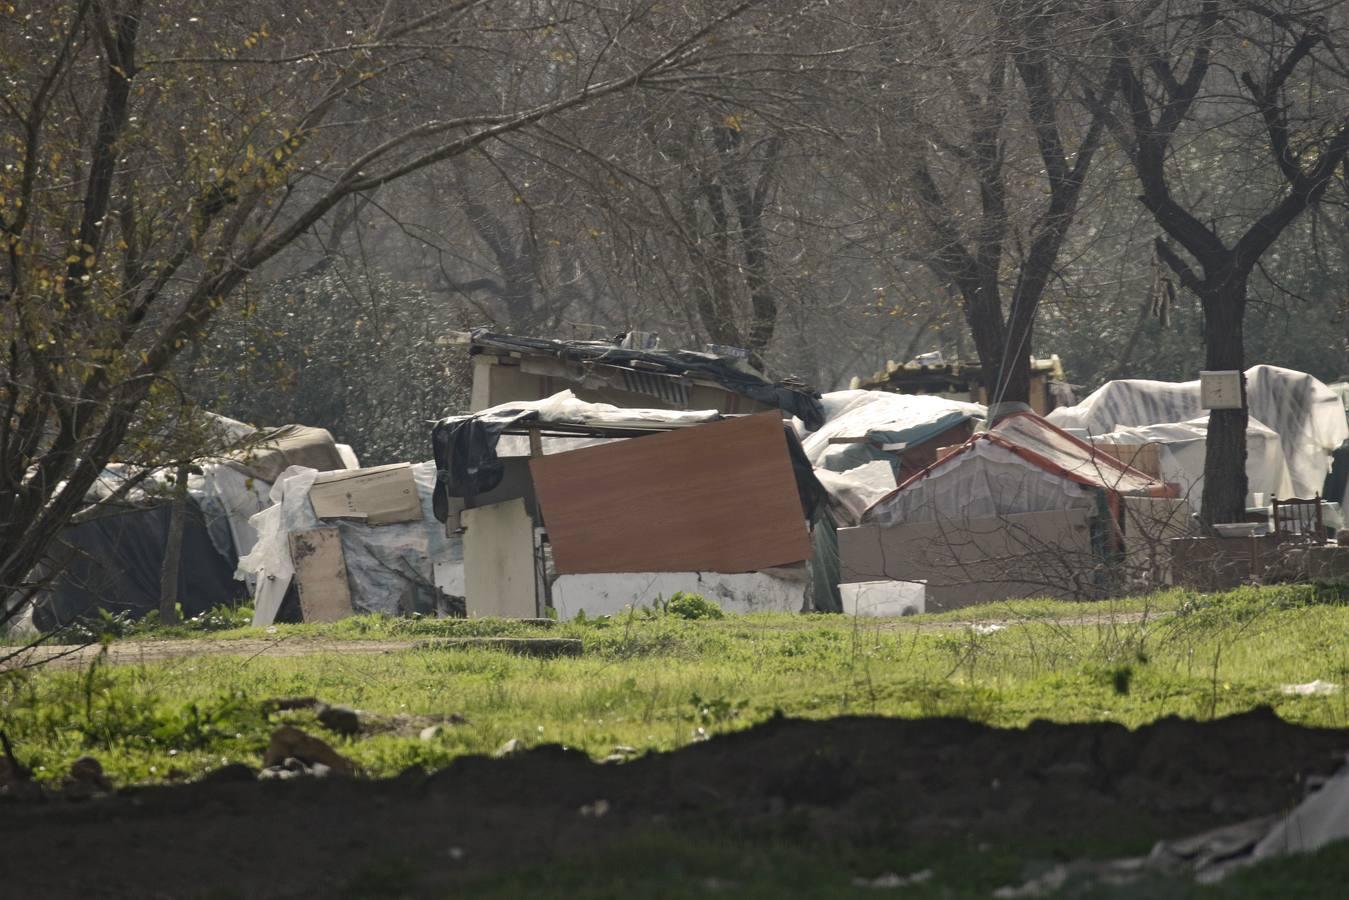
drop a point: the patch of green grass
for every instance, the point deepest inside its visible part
(658, 682)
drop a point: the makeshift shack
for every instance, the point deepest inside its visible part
(658, 501)
(112, 563)
(869, 442)
(1307, 416)
(931, 373)
(111, 560)
(509, 369)
(1022, 509)
(905, 430)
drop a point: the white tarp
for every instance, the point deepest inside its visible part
(564, 408)
(852, 492)
(1307, 415)
(983, 481)
(389, 567)
(855, 414)
(229, 499)
(1181, 447)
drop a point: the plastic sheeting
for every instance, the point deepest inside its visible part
(114, 562)
(985, 480)
(229, 499)
(1306, 414)
(851, 493)
(859, 414)
(389, 567)
(1182, 446)
(564, 407)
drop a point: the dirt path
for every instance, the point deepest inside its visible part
(142, 652)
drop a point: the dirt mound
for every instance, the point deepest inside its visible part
(861, 781)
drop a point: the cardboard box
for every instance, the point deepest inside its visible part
(382, 495)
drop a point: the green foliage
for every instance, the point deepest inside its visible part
(287, 356)
(684, 605)
(105, 626)
(716, 711)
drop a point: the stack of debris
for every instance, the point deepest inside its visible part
(359, 540)
(932, 373)
(112, 560)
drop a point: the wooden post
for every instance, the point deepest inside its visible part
(173, 550)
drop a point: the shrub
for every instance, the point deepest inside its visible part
(684, 605)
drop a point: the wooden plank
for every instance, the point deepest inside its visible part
(499, 561)
(320, 574)
(720, 497)
(1143, 457)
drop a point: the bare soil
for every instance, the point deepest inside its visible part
(841, 782)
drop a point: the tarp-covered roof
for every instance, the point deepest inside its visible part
(1053, 448)
(1022, 464)
(732, 375)
(1307, 415)
(893, 418)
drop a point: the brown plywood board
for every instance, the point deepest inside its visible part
(1045, 554)
(382, 495)
(320, 574)
(719, 497)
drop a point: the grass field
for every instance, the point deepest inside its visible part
(653, 681)
(657, 682)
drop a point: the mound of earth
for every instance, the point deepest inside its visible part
(860, 781)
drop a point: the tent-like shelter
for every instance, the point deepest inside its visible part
(1182, 446)
(1022, 464)
(1021, 509)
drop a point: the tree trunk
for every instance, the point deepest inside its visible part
(173, 551)
(1014, 380)
(1225, 456)
(1004, 354)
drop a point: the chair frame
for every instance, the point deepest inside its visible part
(1305, 514)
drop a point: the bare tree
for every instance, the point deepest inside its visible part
(972, 146)
(1200, 82)
(164, 155)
